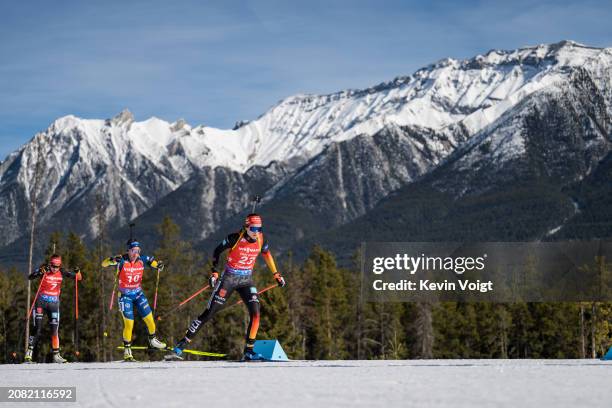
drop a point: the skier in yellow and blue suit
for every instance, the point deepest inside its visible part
(130, 268)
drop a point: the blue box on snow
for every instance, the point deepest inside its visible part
(608, 355)
(270, 350)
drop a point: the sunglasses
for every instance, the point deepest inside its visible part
(255, 229)
(134, 250)
(54, 266)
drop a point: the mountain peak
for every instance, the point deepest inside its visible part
(178, 125)
(64, 122)
(569, 43)
(124, 117)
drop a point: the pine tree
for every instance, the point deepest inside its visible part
(180, 277)
(276, 322)
(13, 295)
(424, 341)
(297, 298)
(330, 315)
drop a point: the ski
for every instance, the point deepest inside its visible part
(189, 351)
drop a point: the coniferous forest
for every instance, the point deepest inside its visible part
(318, 315)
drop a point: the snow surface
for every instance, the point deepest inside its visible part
(314, 384)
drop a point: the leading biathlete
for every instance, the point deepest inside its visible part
(244, 247)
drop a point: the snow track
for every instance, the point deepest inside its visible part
(318, 384)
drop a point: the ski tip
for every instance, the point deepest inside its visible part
(173, 357)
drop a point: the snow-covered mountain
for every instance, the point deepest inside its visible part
(403, 129)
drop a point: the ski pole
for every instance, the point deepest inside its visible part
(110, 307)
(35, 297)
(258, 293)
(256, 200)
(76, 315)
(156, 288)
(27, 319)
(184, 301)
(32, 307)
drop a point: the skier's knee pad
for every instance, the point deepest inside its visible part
(254, 307)
(55, 316)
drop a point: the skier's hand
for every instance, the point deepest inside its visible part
(78, 275)
(43, 269)
(160, 265)
(111, 261)
(213, 278)
(279, 279)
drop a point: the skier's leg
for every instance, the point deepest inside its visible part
(128, 327)
(144, 310)
(35, 336)
(38, 318)
(127, 312)
(53, 309)
(217, 300)
(54, 318)
(251, 300)
(222, 291)
(126, 307)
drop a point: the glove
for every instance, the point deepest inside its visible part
(43, 269)
(279, 279)
(116, 258)
(78, 275)
(160, 265)
(213, 278)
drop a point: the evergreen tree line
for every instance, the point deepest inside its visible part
(318, 315)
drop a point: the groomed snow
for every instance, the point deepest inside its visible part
(322, 384)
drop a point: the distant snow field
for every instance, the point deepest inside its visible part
(323, 384)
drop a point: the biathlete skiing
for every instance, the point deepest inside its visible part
(130, 268)
(48, 302)
(244, 247)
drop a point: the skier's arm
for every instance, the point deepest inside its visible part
(227, 243)
(267, 256)
(111, 261)
(151, 261)
(72, 274)
(38, 272)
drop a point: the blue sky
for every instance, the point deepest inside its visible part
(214, 63)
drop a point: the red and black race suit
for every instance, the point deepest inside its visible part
(47, 303)
(227, 284)
(243, 252)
